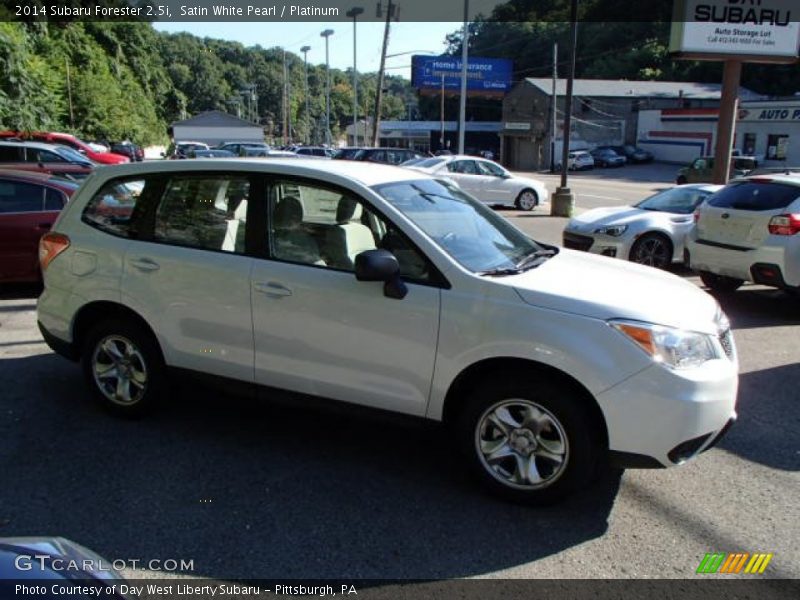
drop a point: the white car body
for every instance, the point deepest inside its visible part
(577, 160)
(317, 330)
(613, 231)
(753, 235)
(485, 180)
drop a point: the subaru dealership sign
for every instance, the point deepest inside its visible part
(492, 75)
(752, 30)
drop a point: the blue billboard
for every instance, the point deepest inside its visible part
(488, 75)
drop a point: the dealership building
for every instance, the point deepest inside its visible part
(603, 112)
(767, 129)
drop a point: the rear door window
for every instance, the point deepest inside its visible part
(756, 196)
(206, 212)
(19, 197)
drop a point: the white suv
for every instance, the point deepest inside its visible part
(388, 288)
(749, 231)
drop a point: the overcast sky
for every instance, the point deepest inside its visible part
(404, 37)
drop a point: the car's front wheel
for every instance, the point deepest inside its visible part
(527, 200)
(720, 283)
(123, 365)
(653, 250)
(531, 444)
(681, 180)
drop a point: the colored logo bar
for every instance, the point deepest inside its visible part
(734, 563)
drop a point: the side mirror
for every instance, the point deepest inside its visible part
(381, 265)
(163, 154)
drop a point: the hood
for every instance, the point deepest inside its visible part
(608, 288)
(611, 215)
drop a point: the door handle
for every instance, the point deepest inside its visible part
(272, 289)
(145, 264)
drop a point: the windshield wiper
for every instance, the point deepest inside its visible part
(500, 272)
(534, 258)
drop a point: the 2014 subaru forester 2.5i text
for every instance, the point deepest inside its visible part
(384, 287)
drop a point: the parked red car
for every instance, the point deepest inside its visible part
(105, 158)
(29, 205)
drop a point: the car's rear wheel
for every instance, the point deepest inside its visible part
(527, 200)
(681, 180)
(653, 250)
(123, 365)
(720, 283)
(531, 444)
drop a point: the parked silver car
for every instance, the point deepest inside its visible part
(651, 232)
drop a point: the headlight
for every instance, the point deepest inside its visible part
(673, 348)
(612, 230)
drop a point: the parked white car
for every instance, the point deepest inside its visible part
(578, 160)
(388, 288)
(749, 231)
(651, 232)
(486, 180)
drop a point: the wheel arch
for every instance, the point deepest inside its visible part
(513, 367)
(662, 233)
(94, 312)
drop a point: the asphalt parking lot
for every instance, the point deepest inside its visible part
(278, 491)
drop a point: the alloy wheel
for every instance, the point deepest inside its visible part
(119, 370)
(521, 444)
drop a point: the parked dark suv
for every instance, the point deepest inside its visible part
(129, 149)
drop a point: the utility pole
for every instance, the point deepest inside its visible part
(462, 108)
(305, 50)
(563, 200)
(441, 117)
(69, 95)
(376, 124)
(326, 34)
(284, 103)
(354, 12)
(553, 100)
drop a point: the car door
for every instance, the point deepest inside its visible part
(320, 331)
(468, 177)
(189, 273)
(23, 220)
(498, 187)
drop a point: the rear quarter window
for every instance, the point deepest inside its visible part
(113, 208)
(756, 196)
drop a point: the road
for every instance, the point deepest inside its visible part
(280, 491)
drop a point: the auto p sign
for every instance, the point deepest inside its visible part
(746, 30)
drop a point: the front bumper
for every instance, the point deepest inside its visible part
(661, 417)
(604, 245)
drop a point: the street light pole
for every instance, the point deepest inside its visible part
(563, 200)
(326, 34)
(354, 12)
(462, 109)
(305, 50)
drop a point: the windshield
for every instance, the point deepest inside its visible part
(430, 162)
(73, 155)
(471, 233)
(679, 200)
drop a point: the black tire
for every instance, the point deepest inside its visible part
(143, 367)
(523, 200)
(720, 283)
(563, 413)
(653, 250)
(681, 180)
